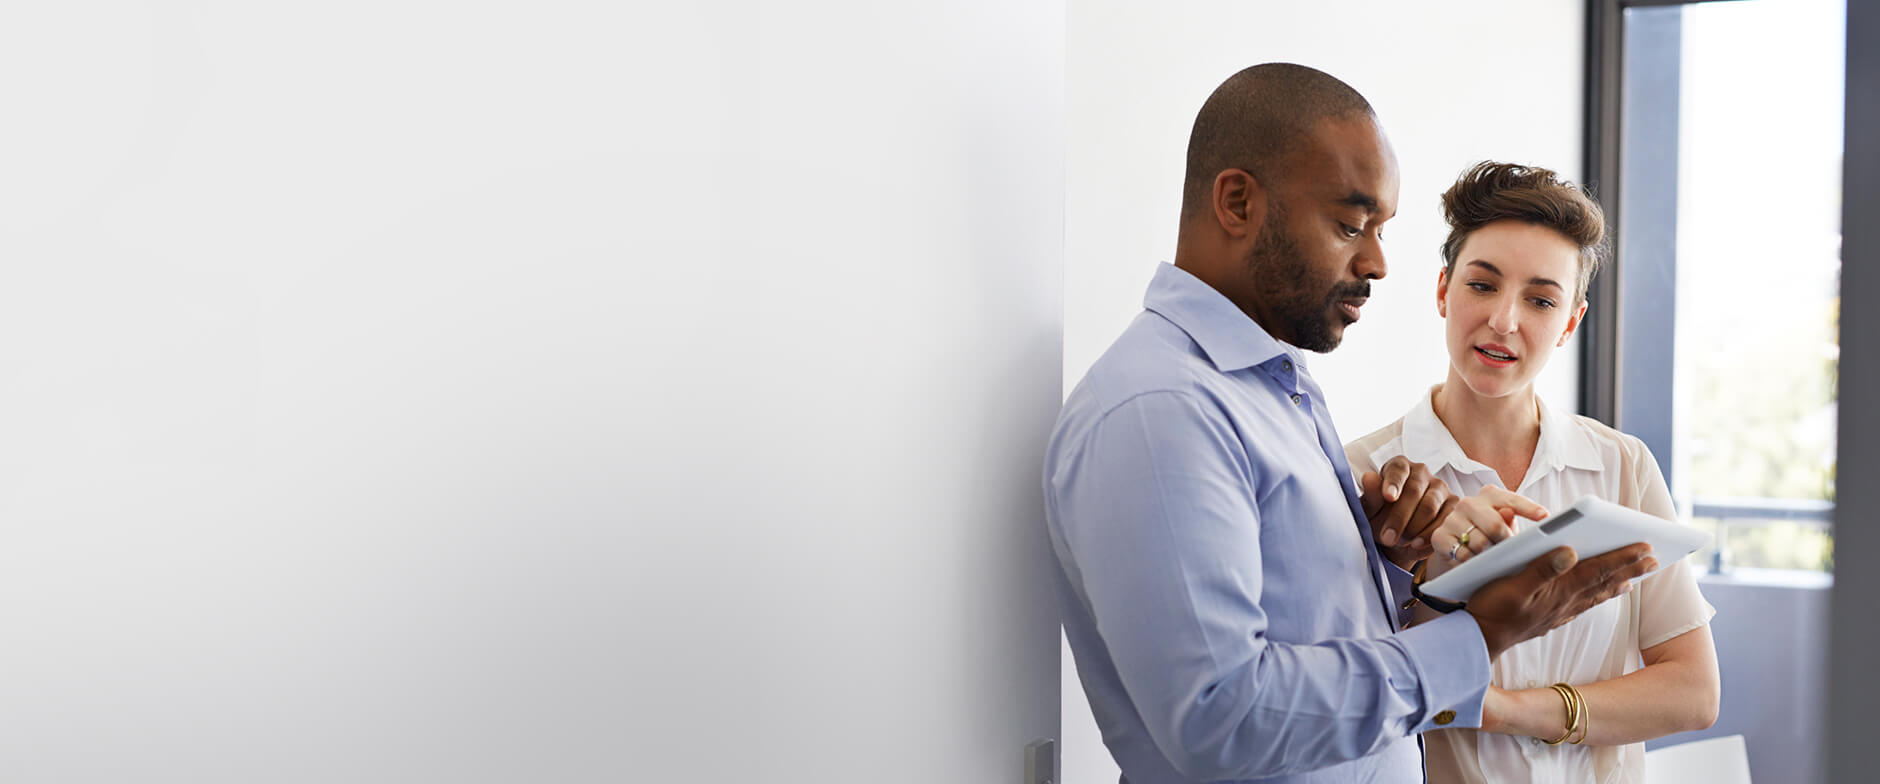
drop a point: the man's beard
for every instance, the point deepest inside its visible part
(1284, 280)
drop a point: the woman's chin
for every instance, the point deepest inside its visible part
(1492, 384)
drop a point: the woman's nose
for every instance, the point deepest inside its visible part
(1504, 320)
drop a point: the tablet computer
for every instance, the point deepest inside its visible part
(1590, 526)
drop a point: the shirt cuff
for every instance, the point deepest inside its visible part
(1451, 660)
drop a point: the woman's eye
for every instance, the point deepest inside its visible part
(1543, 303)
(1480, 286)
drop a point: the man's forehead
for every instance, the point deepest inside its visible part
(1351, 162)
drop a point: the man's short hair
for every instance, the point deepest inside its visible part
(1256, 120)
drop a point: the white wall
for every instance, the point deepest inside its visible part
(1454, 82)
(415, 391)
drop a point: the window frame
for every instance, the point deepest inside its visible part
(1626, 370)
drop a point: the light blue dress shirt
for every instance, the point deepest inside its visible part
(1229, 615)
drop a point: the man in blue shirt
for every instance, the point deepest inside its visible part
(1230, 614)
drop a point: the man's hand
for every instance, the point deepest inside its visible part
(1404, 502)
(1553, 589)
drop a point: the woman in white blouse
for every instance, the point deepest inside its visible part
(1522, 247)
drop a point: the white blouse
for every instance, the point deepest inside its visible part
(1575, 457)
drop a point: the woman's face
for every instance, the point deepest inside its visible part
(1508, 304)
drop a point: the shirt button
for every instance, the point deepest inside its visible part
(1445, 717)
(1286, 365)
(1297, 398)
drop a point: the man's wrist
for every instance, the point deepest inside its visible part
(1436, 603)
(1491, 637)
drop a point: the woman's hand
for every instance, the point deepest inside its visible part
(1476, 523)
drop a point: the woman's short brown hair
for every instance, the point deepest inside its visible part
(1491, 191)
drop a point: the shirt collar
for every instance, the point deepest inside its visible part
(1563, 443)
(1426, 440)
(1231, 340)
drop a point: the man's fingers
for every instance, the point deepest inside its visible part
(1396, 516)
(1629, 567)
(1396, 470)
(1368, 495)
(1554, 563)
(1609, 574)
(1431, 512)
(1629, 559)
(1390, 527)
(1589, 601)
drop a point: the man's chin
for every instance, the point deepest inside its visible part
(1324, 342)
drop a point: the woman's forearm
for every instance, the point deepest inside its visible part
(1657, 700)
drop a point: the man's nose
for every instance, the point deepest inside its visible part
(1369, 264)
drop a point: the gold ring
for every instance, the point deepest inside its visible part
(1463, 540)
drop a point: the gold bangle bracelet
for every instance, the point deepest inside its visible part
(1586, 716)
(1573, 713)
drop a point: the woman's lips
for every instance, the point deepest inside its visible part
(1489, 358)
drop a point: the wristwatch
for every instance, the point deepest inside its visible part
(1443, 606)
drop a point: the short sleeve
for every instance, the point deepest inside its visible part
(1669, 601)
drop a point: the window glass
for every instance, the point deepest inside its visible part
(1758, 270)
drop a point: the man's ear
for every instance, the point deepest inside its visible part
(1239, 203)
(1573, 324)
(1442, 292)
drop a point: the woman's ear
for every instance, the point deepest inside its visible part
(1573, 323)
(1442, 293)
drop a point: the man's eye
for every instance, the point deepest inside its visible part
(1350, 231)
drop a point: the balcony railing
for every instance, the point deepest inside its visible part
(1734, 514)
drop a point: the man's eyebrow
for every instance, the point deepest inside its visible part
(1360, 199)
